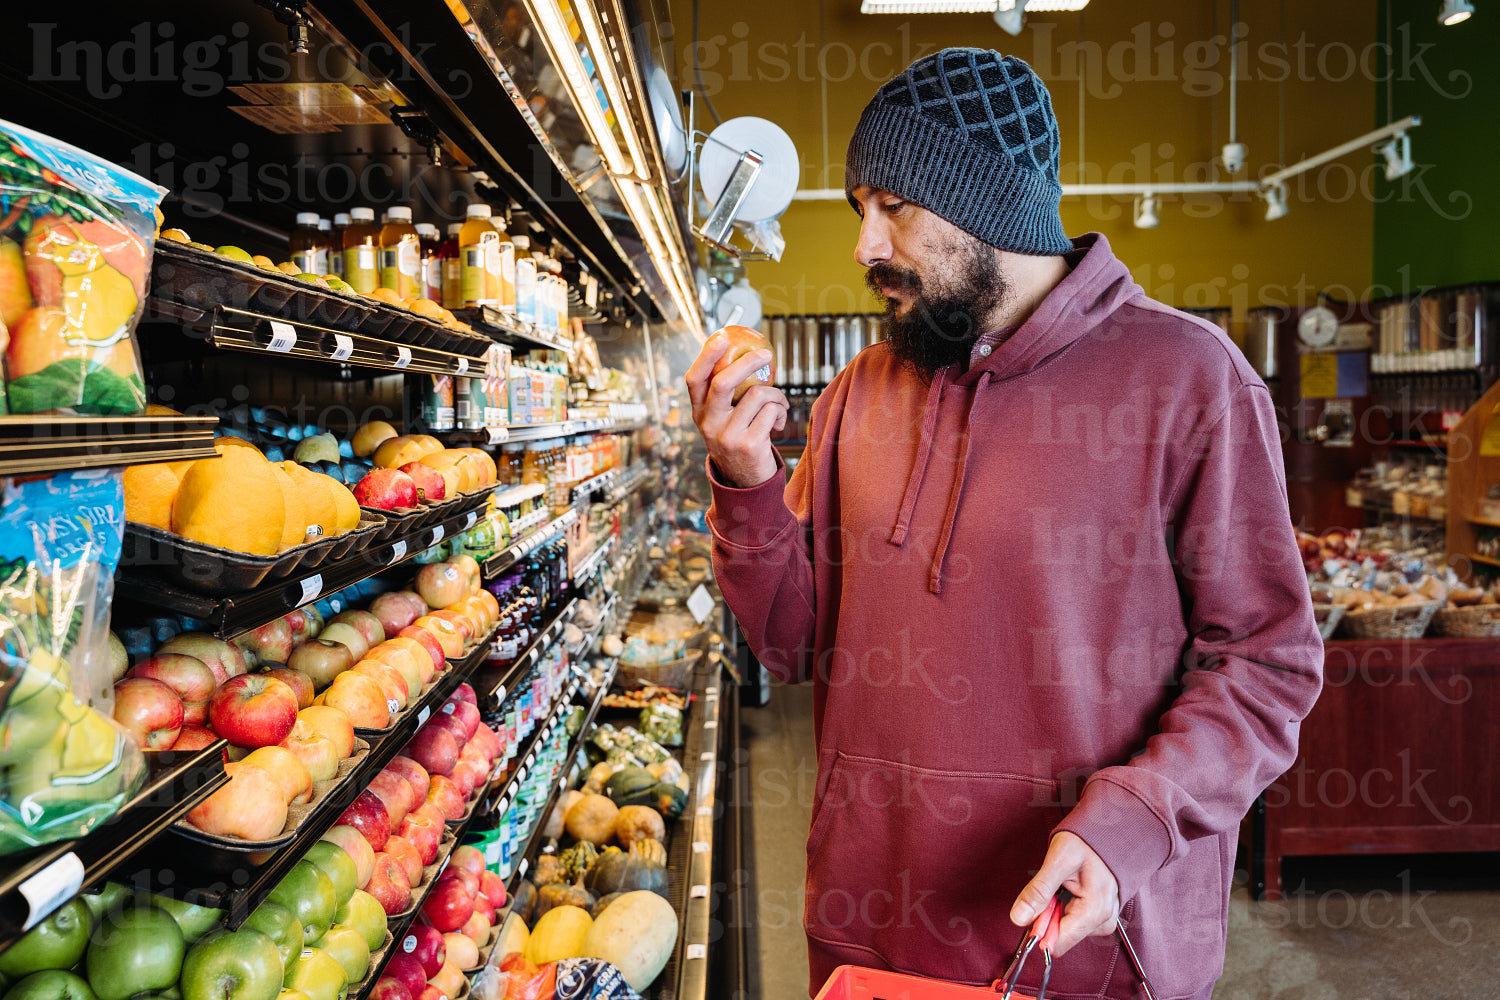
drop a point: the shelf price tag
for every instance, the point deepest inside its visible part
(424, 714)
(283, 337)
(473, 516)
(698, 951)
(437, 534)
(343, 347)
(311, 588)
(403, 355)
(698, 892)
(463, 366)
(51, 887)
(398, 551)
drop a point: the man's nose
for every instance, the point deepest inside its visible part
(874, 244)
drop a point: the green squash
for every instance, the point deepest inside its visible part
(669, 800)
(577, 859)
(631, 787)
(653, 852)
(617, 871)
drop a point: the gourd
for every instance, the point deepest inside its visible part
(554, 827)
(669, 800)
(631, 787)
(548, 870)
(598, 775)
(653, 851)
(637, 823)
(636, 934)
(560, 933)
(592, 818)
(618, 871)
(513, 935)
(577, 859)
(523, 900)
(550, 897)
(604, 901)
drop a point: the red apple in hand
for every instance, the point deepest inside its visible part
(253, 710)
(448, 906)
(742, 341)
(415, 775)
(406, 970)
(389, 885)
(150, 711)
(188, 677)
(431, 486)
(367, 815)
(434, 749)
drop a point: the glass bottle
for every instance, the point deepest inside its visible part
(505, 251)
(361, 251)
(336, 243)
(452, 267)
(309, 251)
(400, 254)
(430, 242)
(478, 246)
(525, 279)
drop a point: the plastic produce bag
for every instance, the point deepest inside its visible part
(565, 979)
(76, 235)
(65, 766)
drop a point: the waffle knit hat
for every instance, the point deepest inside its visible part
(969, 135)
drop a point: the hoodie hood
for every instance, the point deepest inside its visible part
(1087, 298)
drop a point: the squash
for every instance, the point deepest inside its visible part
(631, 787)
(550, 897)
(560, 933)
(554, 827)
(652, 851)
(577, 859)
(621, 872)
(513, 935)
(636, 934)
(592, 818)
(604, 901)
(549, 870)
(669, 800)
(598, 775)
(523, 901)
(637, 823)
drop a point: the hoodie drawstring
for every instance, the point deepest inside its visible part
(935, 577)
(924, 452)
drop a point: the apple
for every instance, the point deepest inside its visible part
(449, 725)
(405, 969)
(271, 642)
(448, 906)
(467, 857)
(253, 710)
(404, 662)
(119, 659)
(51, 984)
(388, 987)
(492, 886)
(465, 692)
(308, 892)
(395, 611)
(430, 992)
(388, 679)
(742, 341)
(281, 925)
(445, 632)
(288, 770)
(423, 832)
(477, 928)
(303, 625)
(367, 815)
(333, 724)
(433, 748)
(58, 941)
(319, 975)
(322, 660)
(348, 948)
(449, 979)
(149, 711)
(468, 774)
(357, 847)
(315, 750)
(134, 950)
(110, 896)
(195, 738)
(232, 965)
(415, 774)
(351, 636)
(464, 712)
(468, 566)
(394, 793)
(300, 683)
(386, 489)
(360, 698)
(490, 602)
(389, 885)
(406, 852)
(365, 914)
(251, 806)
(467, 879)
(429, 643)
(188, 677)
(194, 921)
(466, 627)
(487, 740)
(441, 584)
(368, 625)
(224, 658)
(338, 866)
(429, 482)
(426, 945)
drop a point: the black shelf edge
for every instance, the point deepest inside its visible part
(696, 826)
(593, 559)
(31, 445)
(495, 685)
(515, 551)
(509, 330)
(256, 333)
(177, 782)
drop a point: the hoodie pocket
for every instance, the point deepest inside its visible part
(919, 867)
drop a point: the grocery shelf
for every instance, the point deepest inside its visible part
(508, 556)
(564, 428)
(36, 444)
(628, 484)
(592, 560)
(589, 487)
(509, 330)
(1482, 522)
(496, 684)
(237, 330)
(692, 853)
(579, 650)
(1486, 560)
(38, 881)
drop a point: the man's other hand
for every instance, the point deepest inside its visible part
(1072, 865)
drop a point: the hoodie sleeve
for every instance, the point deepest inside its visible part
(1252, 667)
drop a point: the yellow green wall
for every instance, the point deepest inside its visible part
(1156, 107)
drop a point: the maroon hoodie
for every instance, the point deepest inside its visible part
(1057, 591)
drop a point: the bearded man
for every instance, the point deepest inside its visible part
(1037, 562)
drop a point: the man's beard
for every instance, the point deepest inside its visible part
(941, 325)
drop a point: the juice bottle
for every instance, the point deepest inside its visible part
(506, 261)
(325, 232)
(478, 246)
(361, 251)
(541, 303)
(309, 252)
(336, 243)
(510, 463)
(525, 279)
(432, 264)
(400, 254)
(453, 272)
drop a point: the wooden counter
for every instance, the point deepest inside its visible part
(1398, 756)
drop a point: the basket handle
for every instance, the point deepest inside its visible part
(1410, 613)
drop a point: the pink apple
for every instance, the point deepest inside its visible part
(468, 880)
(434, 749)
(253, 710)
(150, 712)
(465, 692)
(414, 773)
(189, 677)
(387, 987)
(406, 970)
(492, 887)
(271, 643)
(395, 611)
(304, 626)
(369, 626)
(426, 945)
(300, 683)
(429, 642)
(367, 815)
(314, 749)
(448, 907)
(465, 713)
(406, 852)
(424, 832)
(357, 847)
(463, 952)
(477, 927)
(395, 794)
(224, 658)
(321, 661)
(415, 599)
(468, 858)
(195, 738)
(348, 635)
(451, 726)
(444, 794)
(251, 806)
(467, 775)
(386, 489)
(389, 885)
(430, 483)
(432, 992)
(441, 584)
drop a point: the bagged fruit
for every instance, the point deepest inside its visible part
(65, 766)
(76, 235)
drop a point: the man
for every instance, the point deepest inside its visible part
(1036, 560)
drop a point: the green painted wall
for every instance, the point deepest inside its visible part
(1440, 224)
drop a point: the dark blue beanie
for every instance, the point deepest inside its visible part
(969, 135)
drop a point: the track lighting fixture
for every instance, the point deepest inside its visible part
(1455, 12)
(1146, 211)
(1275, 196)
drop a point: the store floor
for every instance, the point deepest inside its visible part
(1416, 928)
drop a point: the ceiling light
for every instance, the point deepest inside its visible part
(1041, 6)
(1455, 12)
(1275, 196)
(563, 46)
(1397, 153)
(1145, 211)
(926, 6)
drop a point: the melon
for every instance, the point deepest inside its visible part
(513, 936)
(561, 932)
(636, 933)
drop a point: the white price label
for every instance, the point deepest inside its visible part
(343, 347)
(522, 867)
(700, 604)
(701, 847)
(437, 534)
(398, 551)
(697, 951)
(463, 366)
(403, 355)
(504, 803)
(283, 337)
(711, 724)
(444, 864)
(423, 715)
(497, 435)
(707, 755)
(336, 603)
(311, 588)
(473, 516)
(409, 944)
(698, 892)
(500, 693)
(705, 810)
(51, 887)
(393, 705)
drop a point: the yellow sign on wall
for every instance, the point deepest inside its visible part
(1320, 376)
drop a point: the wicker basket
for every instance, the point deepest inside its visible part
(1328, 617)
(673, 674)
(1479, 621)
(1396, 621)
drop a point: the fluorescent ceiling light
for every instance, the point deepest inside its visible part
(563, 46)
(612, 82)
(927, 6)
(1145, 211)
(1455, 12)
(1042, 6)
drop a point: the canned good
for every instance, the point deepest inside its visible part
(470, 401)
(436, 404)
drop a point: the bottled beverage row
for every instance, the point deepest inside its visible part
(526, 594)
(811, 350)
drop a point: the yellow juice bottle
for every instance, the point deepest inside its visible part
(362, 251)
(401, 254)
(478, 245)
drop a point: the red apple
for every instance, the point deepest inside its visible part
(468, 880)
(492, 887)
(434, 748)
(321, 661)
(418, 605)
(406, 970)
(314, 749)
(406, 852)
(369, 626)
(742, 341)
(441, 584)
(357, 847)
(408, 659)
(446, 633)
(414, 773)
(465, 692)
(389, 885)
(425, 944)
(395, 794)
(431, 992)
(304, 625)
(444, 794)
(386, 489)
(486, 739)
(425, 833)
(149, 711)
(271, 643)
(395, 611)
(333, 724)
(189, 677)
(464, 712)
(195, 738)
(467, 627)
(430, 483)
(253, 710)
(448, 906)
(429, 642)
(468, 775)
(387, 987)
(367, 815)
(451, 726)
(300, 683)
(224, 658)
(468, 858)
(388, 678)
(251, 806)
(482, 911)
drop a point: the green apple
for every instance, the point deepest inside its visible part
(348, 948)
(280, 925)
(58, 942)
(319, 975)
(317, 448)
(194, 921)
(338, 866)
(234, 253)
(232, 965)
(364, 913)
(135, 950)
(287, 994)
(308, 892)
(50, 984)
(111, 896)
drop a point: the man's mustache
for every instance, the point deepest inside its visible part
(893, 277)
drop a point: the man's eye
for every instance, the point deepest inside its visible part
(892, 207)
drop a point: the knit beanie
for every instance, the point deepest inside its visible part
(968, 134)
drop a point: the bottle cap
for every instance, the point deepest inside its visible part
(477, 211)
(307, 218)
(324, 226)
(427, 229)
(454, 228)
(398, 213)
(362, 214)
(341, 218)
(522, 241)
